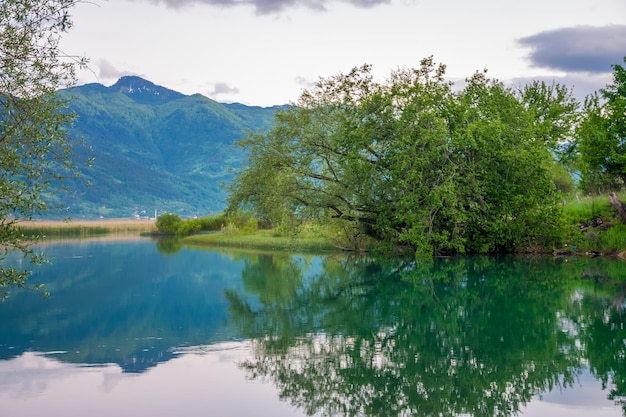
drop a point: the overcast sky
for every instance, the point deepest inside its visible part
(264, 52)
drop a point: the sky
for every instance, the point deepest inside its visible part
(265, 52)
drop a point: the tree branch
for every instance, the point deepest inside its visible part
(619, 206)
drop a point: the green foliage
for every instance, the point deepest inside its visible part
(201, 224)
(239, 220)
(601, 137)
(212, 223)
(614, 238)
(593, 225)
(37, 154)
(413, 163)
(554, 112)
(172, 224)
(169, 223)
(561, 178)
(587, 209)
(188, 227)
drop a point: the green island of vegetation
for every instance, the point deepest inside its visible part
(414, 165)
(590, 226)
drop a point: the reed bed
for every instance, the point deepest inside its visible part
(86, 228)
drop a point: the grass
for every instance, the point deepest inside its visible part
(588, 208)
(263, 239)
(594, 225)
(614, 238)
(86, 228)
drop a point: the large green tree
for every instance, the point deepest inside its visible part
(35, 150)
(412, 162)
(601, 136)
(503, 176)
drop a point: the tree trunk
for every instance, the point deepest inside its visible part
(619, 206)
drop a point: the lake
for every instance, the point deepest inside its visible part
(135, 327)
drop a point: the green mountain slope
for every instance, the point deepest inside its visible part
(155, 149)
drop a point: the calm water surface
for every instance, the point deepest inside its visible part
(138, 328)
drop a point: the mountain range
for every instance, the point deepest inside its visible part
(155, 149)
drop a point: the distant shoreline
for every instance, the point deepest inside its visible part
(85, 223)
(62, 228)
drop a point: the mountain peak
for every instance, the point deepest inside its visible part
(144, 91)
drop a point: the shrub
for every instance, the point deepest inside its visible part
(251, 225)
(241, 220)
(168, 223)
(562, 179)
(214, 223)
(187, 227)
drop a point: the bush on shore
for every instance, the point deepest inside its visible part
(590, 225)
(172, 224)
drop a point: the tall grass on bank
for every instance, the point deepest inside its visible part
(263, 239)
(594, 225)
(587, 209)
(85, 228)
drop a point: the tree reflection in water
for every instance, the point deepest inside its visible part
(432, 337)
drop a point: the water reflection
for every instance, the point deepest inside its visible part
(328, 335)
(121, 303)
(199, 383)
(477, 336)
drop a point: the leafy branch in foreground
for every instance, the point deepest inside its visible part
(35, 149)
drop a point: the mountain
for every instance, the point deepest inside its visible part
(155, 149)
(143, 91)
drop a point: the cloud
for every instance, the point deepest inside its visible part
(586, 49)
(31, 374)
(263, 7)
(305, 82)
(103, 72)
(223, 89)
(107, 70)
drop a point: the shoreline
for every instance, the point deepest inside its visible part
(85, 223)
(77, 228)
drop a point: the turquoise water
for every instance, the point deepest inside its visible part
(135, 328)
